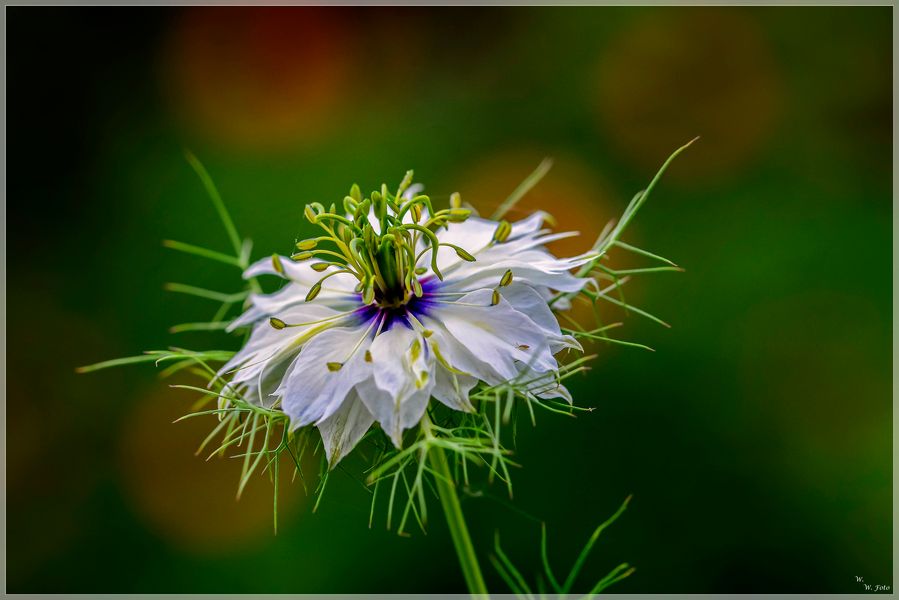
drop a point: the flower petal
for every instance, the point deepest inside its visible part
(312, 389)
(344, 428)
(398, 392)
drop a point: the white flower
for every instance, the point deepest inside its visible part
(386, 326)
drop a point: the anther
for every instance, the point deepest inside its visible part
(458, 215)
(368, 357)
(313, 292)
(301, 256)
(494, 300)
(414, 351)
(334, 366)
(276, 264)
(463, 254)
(277, 323)
(455, 200)
(506, 279)
(319, 267)
(307, 244)
(502, 232)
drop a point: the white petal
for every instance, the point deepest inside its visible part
(395, 414)
(311, 391)
(452, 389)
(342, 430)
(499, 335)
(397, 394)
(268, 348)
(532, 304)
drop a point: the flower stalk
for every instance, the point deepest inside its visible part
(455, 520)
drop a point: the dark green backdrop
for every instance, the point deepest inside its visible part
(756, 440)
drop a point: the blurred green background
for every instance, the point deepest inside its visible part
(756, 440)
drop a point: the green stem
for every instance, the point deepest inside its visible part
(468, 560)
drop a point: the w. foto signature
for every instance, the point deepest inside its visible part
(872, 587)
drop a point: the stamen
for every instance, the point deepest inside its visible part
(506, 279)
(276, 264)
(461, 252)
(384, 263)
(334, 366)
(314, 291)
(495, 298)
(458, 215)
(502, 232)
